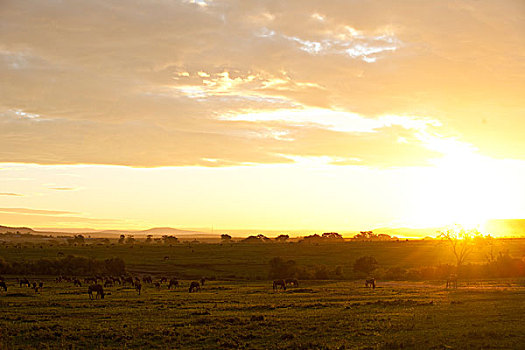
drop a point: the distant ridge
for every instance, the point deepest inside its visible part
(5, 229)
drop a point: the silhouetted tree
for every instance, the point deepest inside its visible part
(121, 239)
(461, 242)
(279, 268)
(149, 239)
(226, 238)
(365, 264)
(332, 236)
(130, 239)
(170, 239)
(282, 238)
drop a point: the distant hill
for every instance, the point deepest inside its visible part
(5, 229)
(156, 231)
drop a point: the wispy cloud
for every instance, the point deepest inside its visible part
(63, 188)
(147, 83)
(11, 194)
(36, 211)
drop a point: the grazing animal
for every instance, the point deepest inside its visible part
(166, 257)
(127, 280)
(173, 283)
(40, 285)
(24, 281)
(138, 287)
(202, 281)
(452, 281)
(292, 282)
(76, 282)
(147, 279)
(96, 288)
(3, 285)
(371, 282)
(279, 284)
(108, 283)
(157, 285)
(195, 286)
(163, 279)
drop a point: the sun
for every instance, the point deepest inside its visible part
(462, 188)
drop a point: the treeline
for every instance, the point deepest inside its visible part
(69, 265)
(502, 266)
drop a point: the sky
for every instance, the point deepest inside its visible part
(282, 115)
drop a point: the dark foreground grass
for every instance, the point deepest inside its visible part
(332, 315)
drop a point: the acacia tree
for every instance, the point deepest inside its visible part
(461, 243)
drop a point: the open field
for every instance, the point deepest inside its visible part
(250, 261)
(227, 314)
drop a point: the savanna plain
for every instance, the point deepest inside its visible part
(236, 307)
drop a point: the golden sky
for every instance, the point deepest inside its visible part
(329, 115)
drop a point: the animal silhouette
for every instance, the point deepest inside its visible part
(292, 282)
(452, 281)
(279, 284)
(195, 286)
(96, 288)
(371, 282)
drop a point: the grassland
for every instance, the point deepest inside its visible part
(228, 314)
(250, 261)
(239, 309)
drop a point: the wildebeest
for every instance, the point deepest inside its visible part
(96, 288)
(108, 283)
(157, 285)
(24, 281)
(138, 286)
(76, 282)
(292, 282)
(371, 282)
(174, 283)
(3, 285)
(203, 280)
(452, 281)
(279, 284)
(163, 279)
(195, 286)
(128, 279)
(147, 279)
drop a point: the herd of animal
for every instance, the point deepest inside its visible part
(96, 284)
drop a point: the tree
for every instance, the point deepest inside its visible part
(279, 268)
(130, 239)
(332, 236)
(461, 242)
(170, 239)
(149, 239)
(226, 238)
(365, 264)
(121, 239)
(282, 238)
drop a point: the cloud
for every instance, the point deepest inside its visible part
(63, 188)
(150, 85)
(35, 211)
(11, 194)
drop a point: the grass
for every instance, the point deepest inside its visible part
(250, 261)
(234, 314)
(240, 310)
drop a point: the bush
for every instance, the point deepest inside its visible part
(365, 265)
